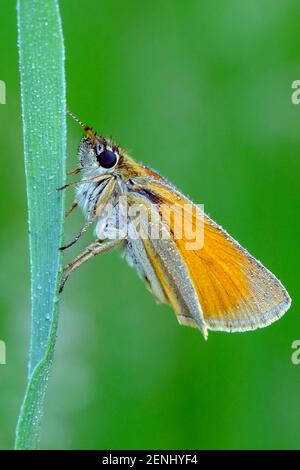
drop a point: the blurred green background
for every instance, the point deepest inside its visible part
(201, 91)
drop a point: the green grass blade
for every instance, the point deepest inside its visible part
(42, 76)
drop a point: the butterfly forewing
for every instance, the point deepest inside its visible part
(235, 292)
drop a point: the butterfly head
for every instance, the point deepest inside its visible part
(98, 153)
(95, 151)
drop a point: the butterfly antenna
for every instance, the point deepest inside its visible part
(87, 129)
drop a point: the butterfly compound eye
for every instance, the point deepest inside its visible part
(107, 159)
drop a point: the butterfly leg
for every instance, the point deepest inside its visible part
(99, 207)
(71, 208)
(93, 249)
(96, 179)
(79, 234)
(74, 172)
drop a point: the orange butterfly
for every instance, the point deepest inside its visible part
(204, 274)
